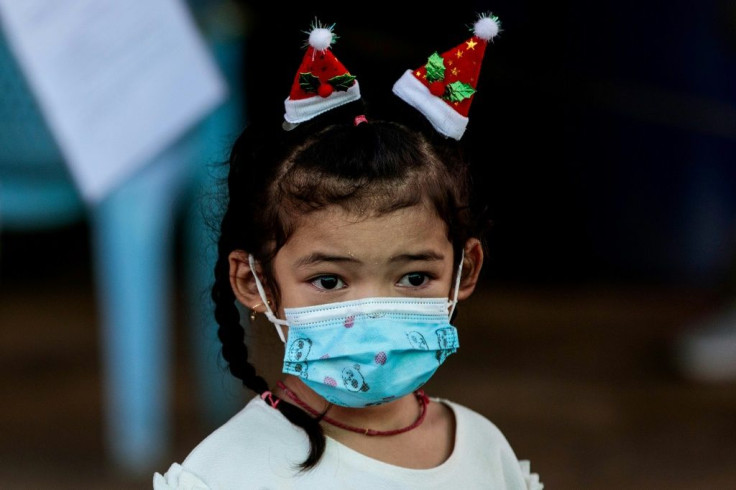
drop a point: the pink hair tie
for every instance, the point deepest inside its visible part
(268, 397)
(359, 119)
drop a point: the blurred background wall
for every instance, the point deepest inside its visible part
(603, 140)
(603, 133)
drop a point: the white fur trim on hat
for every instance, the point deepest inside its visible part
(298, 111)
(443, 117)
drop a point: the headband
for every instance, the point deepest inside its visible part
(321, 83)
(442, 90)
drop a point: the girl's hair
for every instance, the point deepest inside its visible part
(277, 176)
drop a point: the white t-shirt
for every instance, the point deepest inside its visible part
(260, 449)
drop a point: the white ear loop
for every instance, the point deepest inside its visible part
(457, 283)
(269, 313)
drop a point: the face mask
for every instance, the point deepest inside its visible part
(368, 351)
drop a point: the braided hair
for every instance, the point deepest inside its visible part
(276, 176)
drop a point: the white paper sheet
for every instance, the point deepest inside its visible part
(117, 80)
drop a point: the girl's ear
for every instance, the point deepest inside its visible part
(243, 283)
(472, 264)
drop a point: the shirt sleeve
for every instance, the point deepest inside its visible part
(177, 478)
(531, 479)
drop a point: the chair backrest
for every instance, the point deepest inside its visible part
(36, 189)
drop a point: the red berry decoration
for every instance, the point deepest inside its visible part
(380, 358)
(349, 322)
(330, 381)
(325, 90)
(437, 88)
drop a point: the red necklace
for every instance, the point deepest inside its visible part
(421, 397)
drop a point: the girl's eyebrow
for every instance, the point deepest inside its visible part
(426, 256)
(317, 257)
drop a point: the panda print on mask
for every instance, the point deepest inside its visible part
(299, 350)
(447, 340)
(296, 357)
(417, 340)
(353, 379)
(297, 369)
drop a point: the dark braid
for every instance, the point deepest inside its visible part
(235, 351)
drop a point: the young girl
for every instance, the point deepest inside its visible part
(356, 238)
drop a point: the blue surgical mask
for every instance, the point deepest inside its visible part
(368, 351)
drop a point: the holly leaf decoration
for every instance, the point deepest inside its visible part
(308, 82)
(342, 82)
(458, 91)
(435, 68)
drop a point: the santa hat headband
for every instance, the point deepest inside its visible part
(442, 90)
(321, 83)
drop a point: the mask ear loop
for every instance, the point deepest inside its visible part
(269, 313)
(457, 283)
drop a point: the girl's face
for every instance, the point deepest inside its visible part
(337, 256)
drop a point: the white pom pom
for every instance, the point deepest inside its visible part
(320, 38)
(486, 27)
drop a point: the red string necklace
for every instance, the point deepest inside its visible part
(421, 397)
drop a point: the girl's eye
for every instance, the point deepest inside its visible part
(328, 282)
(414, 279)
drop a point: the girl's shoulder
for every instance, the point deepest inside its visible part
(471, 423)
(253, 440)
(476, 435)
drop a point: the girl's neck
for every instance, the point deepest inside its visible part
(389, 416)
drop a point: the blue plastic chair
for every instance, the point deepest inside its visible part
(133, 241)
(133, 235)
(36, 191)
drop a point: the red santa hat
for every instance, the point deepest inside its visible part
(443, 89)
(321, 83)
